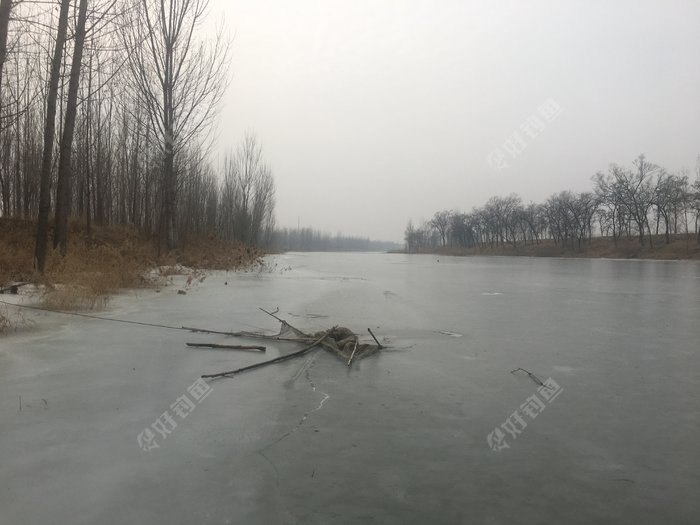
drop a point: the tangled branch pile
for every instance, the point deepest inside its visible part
(339, 340)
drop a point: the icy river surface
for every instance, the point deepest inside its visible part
(104, 422)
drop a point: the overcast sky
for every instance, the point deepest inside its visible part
(374, 112)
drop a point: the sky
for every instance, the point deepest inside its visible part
(371, 113)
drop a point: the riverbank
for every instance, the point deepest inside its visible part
(680, 248)
(107, 259)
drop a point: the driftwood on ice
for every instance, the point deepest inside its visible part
(339, 340)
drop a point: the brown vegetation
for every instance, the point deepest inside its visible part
(106, 260)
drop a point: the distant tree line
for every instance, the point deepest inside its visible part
(644, 201)
(106, 109)
(310, 240)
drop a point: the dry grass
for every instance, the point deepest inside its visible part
(11, 318)
(212, 253)
(108, 259)
(5, 323)
(681, 247)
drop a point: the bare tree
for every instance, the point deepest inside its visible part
(532, 216)
(441, 223)
(410, 237)
(179, 82)
(63, 191)
(5, 9)
(610, 210)
(669, 200)
(559, 217)
(460, 231)
(637, 193)
(248, 194)
(49, 134)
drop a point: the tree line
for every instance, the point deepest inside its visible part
(643, 201)
(106, 114)
(310, 240)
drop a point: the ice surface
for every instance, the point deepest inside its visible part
(400, 437)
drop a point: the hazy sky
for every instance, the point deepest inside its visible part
(374, 112)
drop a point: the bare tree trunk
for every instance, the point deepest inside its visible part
(169, 153)
(98, 172)
(88, 147)
(170, 198)
(49, 133)
(135, 174)
(5, 8)
(18, 161)
(63, 191)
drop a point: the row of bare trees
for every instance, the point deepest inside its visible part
(643, 201)
(106, 114)
(311, 240)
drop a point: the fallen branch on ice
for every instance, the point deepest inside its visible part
(227, 347)
(532, 376)
(265, 363)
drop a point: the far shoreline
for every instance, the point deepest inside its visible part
(679, 249)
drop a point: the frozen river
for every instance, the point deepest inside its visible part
(434, 429)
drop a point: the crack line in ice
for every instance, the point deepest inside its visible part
(274, 467)
(277, 485)
(306, 415)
